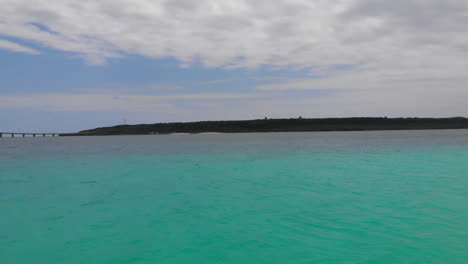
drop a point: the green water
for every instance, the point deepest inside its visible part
(357, 197)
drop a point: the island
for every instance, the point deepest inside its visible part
(281, 125)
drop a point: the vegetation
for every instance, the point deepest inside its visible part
(283, 125)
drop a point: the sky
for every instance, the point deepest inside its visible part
(68, 65)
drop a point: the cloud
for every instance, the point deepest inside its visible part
(110, 102)
(377, 92)
(240, 33)
(273, 101)
(12, 46)
(141, 89)
(405, 55)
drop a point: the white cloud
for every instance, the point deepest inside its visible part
(404, 53)
(242, 33)
(12, 46)
(141, 89)
(365, 101)
(109, 102)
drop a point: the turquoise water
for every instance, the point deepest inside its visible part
(353, 197)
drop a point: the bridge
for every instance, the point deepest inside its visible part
(20, 134)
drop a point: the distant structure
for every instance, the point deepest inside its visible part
(20, 134)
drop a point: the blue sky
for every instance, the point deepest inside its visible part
(67, 66)
(58, 72)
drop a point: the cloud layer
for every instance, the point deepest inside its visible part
(242, 33)
(107, 102)
(12, 46)
(406, 57)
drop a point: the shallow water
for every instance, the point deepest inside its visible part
(334, 197)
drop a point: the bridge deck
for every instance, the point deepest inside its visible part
(34, 134)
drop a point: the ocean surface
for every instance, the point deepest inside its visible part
(333, 197)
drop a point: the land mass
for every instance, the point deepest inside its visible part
(282, 125)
